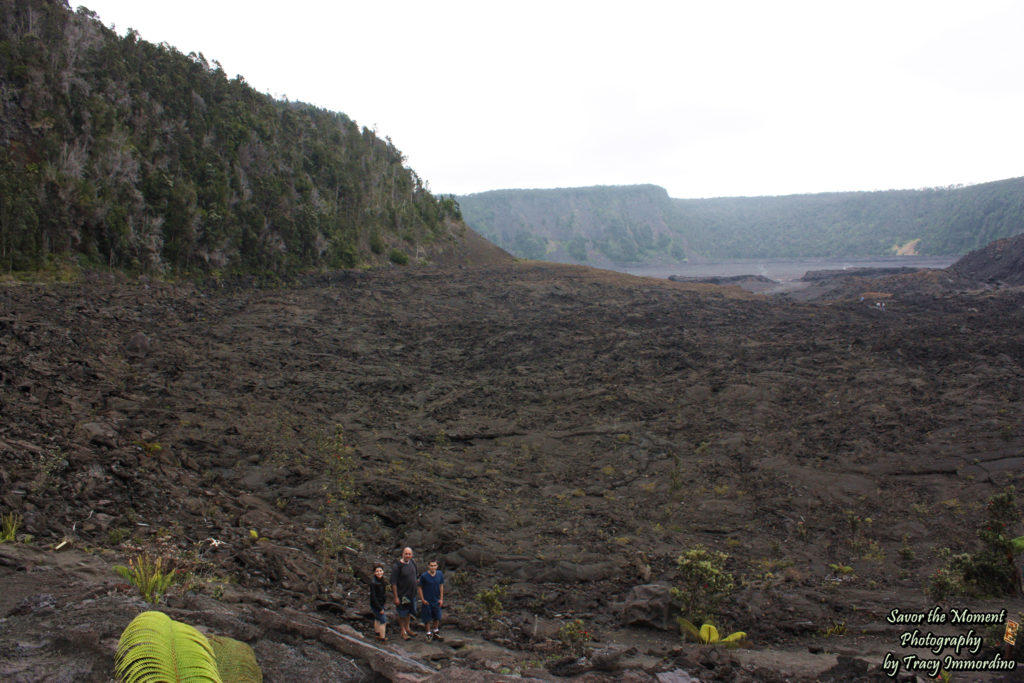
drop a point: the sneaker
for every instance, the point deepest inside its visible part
(430, 636)
(437, 636)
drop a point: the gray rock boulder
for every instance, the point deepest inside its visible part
(650, 605)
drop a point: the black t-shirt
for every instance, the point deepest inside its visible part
(403, 578)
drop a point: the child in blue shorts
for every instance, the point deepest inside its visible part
(431, 589)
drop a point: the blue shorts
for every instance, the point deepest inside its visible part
(406, 608)
(380, 617)
(431, 611)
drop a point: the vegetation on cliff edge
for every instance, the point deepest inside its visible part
(133, 155)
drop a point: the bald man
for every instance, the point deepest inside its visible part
(404, 586)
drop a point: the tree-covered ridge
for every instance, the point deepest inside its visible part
(135, 155)
(641, 223)
(946, 221)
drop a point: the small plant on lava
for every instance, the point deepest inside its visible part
(704, 583)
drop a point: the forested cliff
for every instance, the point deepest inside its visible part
(133, 155)
(596, 224)
(643, 224)
(946, 221)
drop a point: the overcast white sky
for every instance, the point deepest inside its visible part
(709, 98)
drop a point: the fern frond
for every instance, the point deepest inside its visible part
(709, 635)
(689, 628)
(236, 661)
(735, 638)
(156, 649)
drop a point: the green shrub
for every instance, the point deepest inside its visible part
(576, 638)
(117, 536)
(840, 569)
(490, 600)
(947, 581)
(376, 242)
(704, 583)
(989, 572)
(399, 257)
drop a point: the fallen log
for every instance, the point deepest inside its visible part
(392, 665)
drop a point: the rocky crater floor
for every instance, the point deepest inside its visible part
(555, 436)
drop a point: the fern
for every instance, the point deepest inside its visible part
(148, 575)
(156, 649)
(236, 661)
(708, 634)
(9, 523)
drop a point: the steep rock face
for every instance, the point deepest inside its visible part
(134, 155)
(1000, 262)
(596, 225)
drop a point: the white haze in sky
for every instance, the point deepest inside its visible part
(710, 98)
